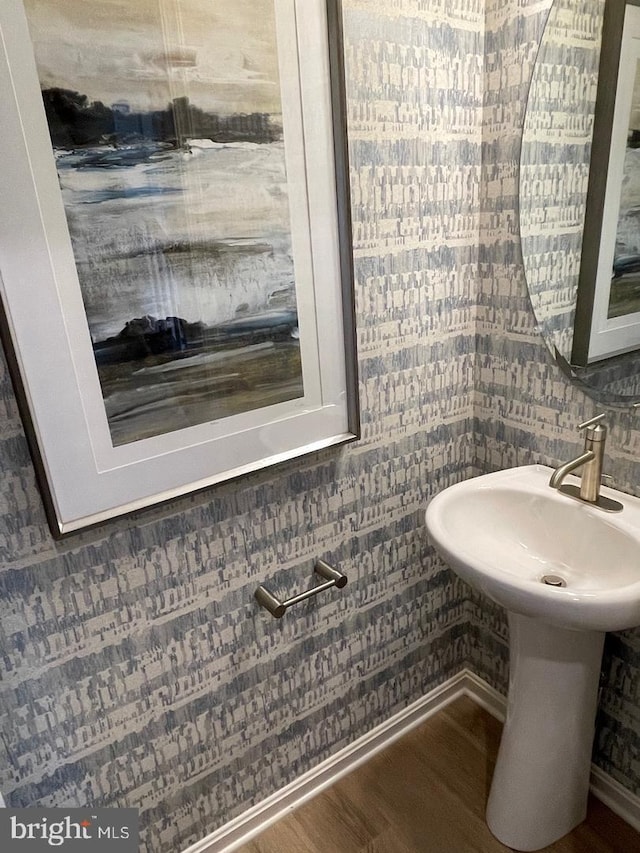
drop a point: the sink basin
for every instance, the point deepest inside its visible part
(504, 532)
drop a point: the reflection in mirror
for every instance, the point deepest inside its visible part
(554, 179)
(608, 306)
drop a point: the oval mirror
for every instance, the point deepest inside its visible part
(560, 267)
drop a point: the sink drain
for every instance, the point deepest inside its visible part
(553, 580)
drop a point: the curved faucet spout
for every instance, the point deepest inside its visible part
(560, 473)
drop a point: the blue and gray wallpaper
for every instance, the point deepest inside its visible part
(136, 668)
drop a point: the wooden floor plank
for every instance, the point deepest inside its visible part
(287, 834)
(387, 842)
(334, 822)
(426, 793)
(420, 806)
(473, 722)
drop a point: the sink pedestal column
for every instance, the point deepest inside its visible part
(541, 780)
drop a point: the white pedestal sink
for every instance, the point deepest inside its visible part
(504, 533)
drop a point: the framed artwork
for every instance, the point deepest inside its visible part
(175, 245)
(608, 303)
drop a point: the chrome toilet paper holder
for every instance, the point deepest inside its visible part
(278, 608)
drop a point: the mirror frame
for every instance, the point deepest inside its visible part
(599, 173)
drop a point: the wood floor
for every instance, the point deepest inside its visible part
(426, 794)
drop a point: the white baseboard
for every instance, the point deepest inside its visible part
(613, 794)
(256, 819)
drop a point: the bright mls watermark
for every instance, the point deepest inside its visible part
(36, 830)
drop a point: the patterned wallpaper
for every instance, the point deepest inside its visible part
(136, 668)
(554, 168)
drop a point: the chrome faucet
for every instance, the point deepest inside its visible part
(591, 462)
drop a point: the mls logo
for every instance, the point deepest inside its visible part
(55, 833)
(35, 830)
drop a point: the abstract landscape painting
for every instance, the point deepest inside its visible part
(166, 125)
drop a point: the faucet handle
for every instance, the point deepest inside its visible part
(596, 431)
(592, 421)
